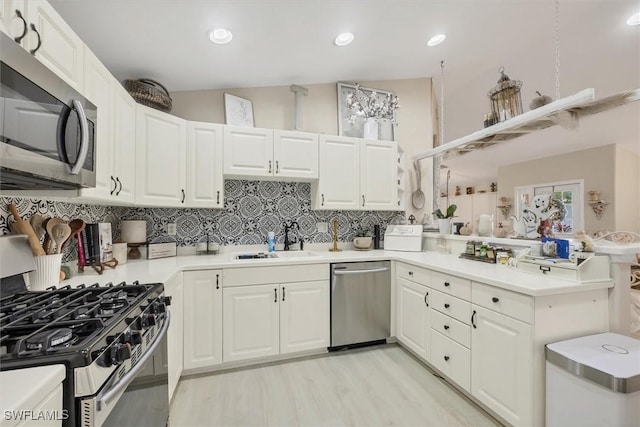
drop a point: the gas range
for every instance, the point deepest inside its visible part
(103, 334)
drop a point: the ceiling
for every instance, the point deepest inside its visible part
(283, 42)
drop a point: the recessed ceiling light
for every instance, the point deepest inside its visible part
(436, 40)
(344, 39)
(634, 19)
(220, 36)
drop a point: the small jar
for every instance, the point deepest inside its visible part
(470, 248)
(483, 250)
(502, 258)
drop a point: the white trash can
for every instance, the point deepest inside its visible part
(593, 381)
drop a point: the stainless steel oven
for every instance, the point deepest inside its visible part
(47, 129)
(136, 394)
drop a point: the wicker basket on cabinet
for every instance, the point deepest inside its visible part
(150, 93)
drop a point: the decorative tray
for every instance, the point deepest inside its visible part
(478, 258)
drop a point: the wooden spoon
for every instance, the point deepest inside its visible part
(36, 222)
(77, 225)
(21, 226)
(61, 233)
(50, 224)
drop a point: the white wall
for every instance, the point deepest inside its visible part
(626, 198)
(273, 107)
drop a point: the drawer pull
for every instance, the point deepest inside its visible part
(217, 281)
(425, 299)
(447, 284)
(447, 306)
(446, 327)
(473, 319)
(411, 273)
(495, 299)
(446, 358)
(275, 294)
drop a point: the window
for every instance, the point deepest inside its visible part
(565, 197)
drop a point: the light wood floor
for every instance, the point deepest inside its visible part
(375, 386)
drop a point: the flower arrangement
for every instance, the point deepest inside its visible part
(370, 106)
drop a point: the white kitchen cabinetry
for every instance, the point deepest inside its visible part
(205, 183)
(10, 23)
(356, 174)
(501, 363)
(175, 355)
(61, 50)
(202, 319)
(161, 141)
(124, 146)
(275, 310)
(413, 325)
(255, 152)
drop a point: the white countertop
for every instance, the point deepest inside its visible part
(162, 270)
(24, 389)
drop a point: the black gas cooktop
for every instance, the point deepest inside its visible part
(66, 323)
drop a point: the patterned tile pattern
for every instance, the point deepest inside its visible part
(67, 211)
(251, 209)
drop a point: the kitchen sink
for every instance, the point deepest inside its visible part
(295, 254)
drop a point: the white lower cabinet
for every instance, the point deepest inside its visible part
(175, 289)
(267, 320)
(501, 365)
(452, 359)
(413, 316)
(202, 319)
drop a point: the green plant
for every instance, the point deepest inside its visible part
(450, 211)
(363, 232)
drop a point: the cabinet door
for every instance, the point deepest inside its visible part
(205, 184)
(100, 89)
(124, 141)
(502, 365)
(248, 152)
(175, 342)
(250, 323)
(304, 316)
(160, 158)
(202, 318)
(339, 176)
(61, 50)
(413, 316)
(295, 155)
(378, 175)
(10, 24)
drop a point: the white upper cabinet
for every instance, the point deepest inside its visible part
(268, 153)
(161, 141)
(205, 183)
(248, 152)
(124, 146)
(295, 155)
(378, 175)
(61, 50)
(10, 22)
(356, 174)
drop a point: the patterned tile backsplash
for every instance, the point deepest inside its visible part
(251, 209)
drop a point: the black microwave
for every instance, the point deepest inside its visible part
(47, 128)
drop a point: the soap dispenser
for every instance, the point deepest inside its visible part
(271, 241)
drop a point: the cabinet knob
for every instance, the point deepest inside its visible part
(495, 299)
(447, 306)
(446, 327)
(446, 358)
(411, 273)
(447, 284)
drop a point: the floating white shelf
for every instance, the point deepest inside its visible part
(564, 111)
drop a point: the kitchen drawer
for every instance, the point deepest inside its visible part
(451, 306)
(452, 359)
(512, 304)
(415, 274)
(452, 285)
(274, 274)
(452, 328)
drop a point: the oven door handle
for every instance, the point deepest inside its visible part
(103, 399)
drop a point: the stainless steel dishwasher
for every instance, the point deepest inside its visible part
(360, 303)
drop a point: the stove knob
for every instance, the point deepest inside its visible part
(166, 300)
(136, 338)
(134, 322)
(111, 338)
(148, 320)
(120, 353)
(157, 308)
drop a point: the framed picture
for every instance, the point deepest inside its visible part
(355, 127)
(238, 111)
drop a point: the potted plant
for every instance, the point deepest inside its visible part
(444, 220)
(362, 239)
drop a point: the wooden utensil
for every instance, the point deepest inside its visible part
(36, 223)
(76, 225)
(23, 227)
(61, 233)
(50, 224)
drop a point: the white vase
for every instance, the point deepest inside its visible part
(370, 129)
(444, 225)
